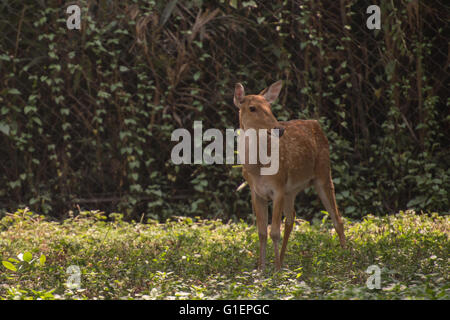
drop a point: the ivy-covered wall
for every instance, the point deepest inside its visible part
(86, 115)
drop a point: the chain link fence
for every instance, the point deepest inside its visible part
(86, 115)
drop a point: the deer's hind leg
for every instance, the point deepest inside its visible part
(325, 188)
(289, 214)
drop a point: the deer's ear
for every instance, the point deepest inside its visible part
(239, 95)
(271, 93)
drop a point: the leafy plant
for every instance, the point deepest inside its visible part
(193, 258)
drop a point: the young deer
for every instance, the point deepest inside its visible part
(303, 161)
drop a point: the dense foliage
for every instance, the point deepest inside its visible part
(86, 115)
(189, 258)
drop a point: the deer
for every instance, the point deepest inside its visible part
(304, 160)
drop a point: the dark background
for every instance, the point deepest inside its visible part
(86, 115)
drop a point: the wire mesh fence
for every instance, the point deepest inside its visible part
(86, 115)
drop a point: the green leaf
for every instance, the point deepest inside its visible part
(103, 94)
(416, 201)
(350, 209)
(123, 69)
(28, 109)
(37, 120)
(250, 3)
(9, 265)
(4, 128)
(167, 12)
(27, 256)
(14, 91)
(42, 259)
(5, 57)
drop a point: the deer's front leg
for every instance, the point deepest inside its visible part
(275, 227)
(260, 206)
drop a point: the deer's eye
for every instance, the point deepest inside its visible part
(252, 109)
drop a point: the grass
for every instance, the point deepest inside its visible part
(207, 259)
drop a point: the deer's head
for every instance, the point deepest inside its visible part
(255, 111)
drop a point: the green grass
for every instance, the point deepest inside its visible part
(207, 259)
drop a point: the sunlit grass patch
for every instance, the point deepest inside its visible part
(186, 258)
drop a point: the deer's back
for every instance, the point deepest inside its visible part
(300, 147)
(303, 136)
